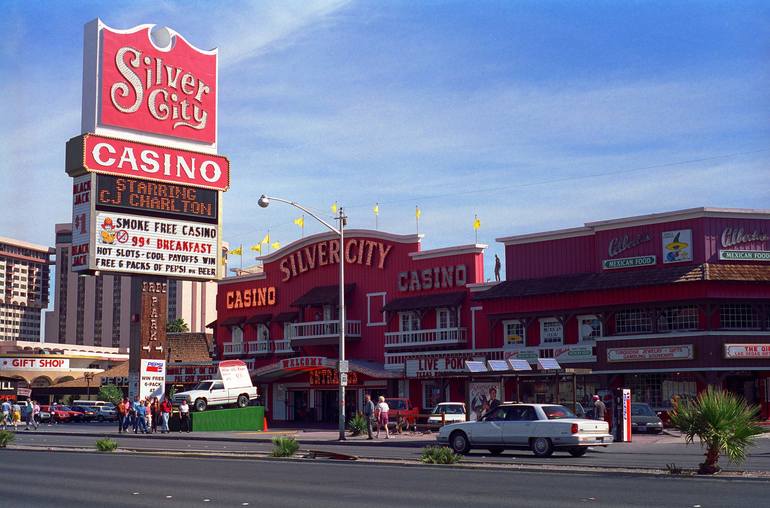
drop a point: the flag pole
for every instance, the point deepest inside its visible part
(302, 229)
(241, 256)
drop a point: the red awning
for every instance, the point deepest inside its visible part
(454, 299)
(286, 317)
(323, 295)
(258, 319)
(232, 321)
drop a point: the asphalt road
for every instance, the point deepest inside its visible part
(644, 452)
(39, 479)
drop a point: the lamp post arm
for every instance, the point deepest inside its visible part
(297, 205)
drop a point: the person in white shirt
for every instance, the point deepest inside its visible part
(184, 417)
(382, 416)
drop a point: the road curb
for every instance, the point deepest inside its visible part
(587, 470)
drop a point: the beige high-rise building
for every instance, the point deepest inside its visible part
(95, 310)
(24, 275)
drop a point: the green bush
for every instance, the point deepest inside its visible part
(723, 423)
(284, 446)
(6, 436)
(357, 424)
(106, 445)
(432, 454)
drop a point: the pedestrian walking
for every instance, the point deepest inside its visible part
(154, 414)
(599, 408)
(382, 416)
(6, 408)
(368, 411)
(122, 410)
(36, 413)
(141, 417)
(29, 415)
(184, 417)
(147, 414)
(165, 414)
(52, 420)
(16, 409)
(134, 413)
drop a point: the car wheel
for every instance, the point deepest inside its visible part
(542, 447)
(496, 450)
(243, 400)
(578, 451)
(459, 442)
(200, 404)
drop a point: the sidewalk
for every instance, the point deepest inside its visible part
(309, 436)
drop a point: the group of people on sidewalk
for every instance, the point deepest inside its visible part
(376, 414)
(147, 415)
(14, 413)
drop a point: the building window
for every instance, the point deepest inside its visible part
(408, 321)
(684, 317)
(375, 316)
(551, 331)
(446, 318)
(433, 392)
(738, 316)
(236, 334)
(514, 334)
(589, 328)
(263, 332)
(633, 321)
(287, 330)
(661, 390)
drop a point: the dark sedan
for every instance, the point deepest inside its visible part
(644, 419)
(83, 413)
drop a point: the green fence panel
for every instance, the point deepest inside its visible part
(217, 420)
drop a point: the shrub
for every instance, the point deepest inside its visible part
(106, 445)
(6, 436)
(724, 423)
(432, 454)
(284, 446)
(357, 424)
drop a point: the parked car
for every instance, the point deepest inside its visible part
(43, 416)
(542, 428)
(74, 414)
(212, 392)
(402, 409)
(87, 414)
(452, 412)
(57, 415)
(106, 413)
(644, 419)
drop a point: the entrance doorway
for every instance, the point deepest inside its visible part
(744, 386)
(299, 407)
(327, 405)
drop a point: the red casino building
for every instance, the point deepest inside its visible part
(664, 304)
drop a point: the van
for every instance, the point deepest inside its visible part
(91, 403)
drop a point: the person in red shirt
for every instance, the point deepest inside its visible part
(165, 414)
(122, 410)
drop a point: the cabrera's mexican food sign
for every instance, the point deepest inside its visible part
(147, 181)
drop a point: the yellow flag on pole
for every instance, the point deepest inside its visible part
(257, 248)
(300, 222)
(334, 207)
(237, 252)
(417, 212)
(266, 239)
(275, 245)
(476, 222)
(376, 209)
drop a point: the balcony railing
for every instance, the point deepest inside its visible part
(261, 347)
(437, 336)
(233, 348)
(323, 332)
(283, 347)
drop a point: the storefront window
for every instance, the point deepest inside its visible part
(589, 328)
(633, 321)
(446, 318)
(514, 335)
(683, 317)
(433, 392)
(551, 331)
(409, 321)
(661, 390)
(738, 316)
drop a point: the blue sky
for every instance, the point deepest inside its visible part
(533, 115)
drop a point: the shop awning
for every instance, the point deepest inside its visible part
(212, 325)
(323, 295)
(258, 319)
(232, 321)
(286, 317)
(288, 368)
(454, 299)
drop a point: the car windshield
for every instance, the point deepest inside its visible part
(558, 412)
(205, 385)
(448, 409)
(641, 410)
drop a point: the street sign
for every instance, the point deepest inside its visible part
(344, 378)
(344, 367)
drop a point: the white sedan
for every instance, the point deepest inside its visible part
(541, 428)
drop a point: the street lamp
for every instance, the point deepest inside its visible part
(263, 202)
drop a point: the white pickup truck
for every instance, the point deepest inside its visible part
(212, 392)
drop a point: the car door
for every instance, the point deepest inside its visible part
(490, 429)
(218, 393)
(518, 427)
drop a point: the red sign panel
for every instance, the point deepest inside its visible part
(171, 91)
(101, 154)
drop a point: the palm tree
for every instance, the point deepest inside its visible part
(177, 326)
(723, 422)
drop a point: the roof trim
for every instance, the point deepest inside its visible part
(557, 234)
(242, 278)
(473, 248)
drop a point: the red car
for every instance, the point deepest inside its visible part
(402, 409)
(61, 414)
